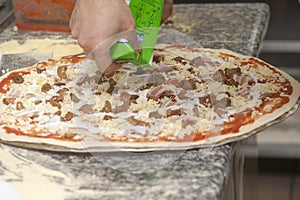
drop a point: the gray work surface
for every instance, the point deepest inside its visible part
(193, 174)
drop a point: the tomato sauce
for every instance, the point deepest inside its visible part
(39, 134)
(7, 81)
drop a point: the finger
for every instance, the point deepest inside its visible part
(167, 11)
(112, 67)
(73, 19)
(131, 37)
(103, 62)
(101, 54)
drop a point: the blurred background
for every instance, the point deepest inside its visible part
(272, 164)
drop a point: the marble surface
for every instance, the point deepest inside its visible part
(193, 174)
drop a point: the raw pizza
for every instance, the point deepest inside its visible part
(188, 98)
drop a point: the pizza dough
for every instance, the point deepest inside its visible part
(189, 98)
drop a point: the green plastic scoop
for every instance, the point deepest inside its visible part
(147, 15)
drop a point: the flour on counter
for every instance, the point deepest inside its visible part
(57, 47)
(30, 180)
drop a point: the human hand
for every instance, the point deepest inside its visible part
(99, 24)
(168, 8)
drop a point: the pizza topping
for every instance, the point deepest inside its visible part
(68, 116)
(202, 61)
(87, 109)
(59, 98)
(188, 122)
(147, 86)
(46, 87)
(137, 122)
(54, 101)
(9, 100)
(70, 135)
(158, 58)
(37, 102)
(196, 111)
(112, 84)
(180, 60)
(230, 72)
(74, 98)
(155, 114)
(227, 76)
(182, 95)
(165, 68)
(187, 84)
(107, 107)
(133, 99)
(126, 99)
(62, 91)
(58, 112)
(169, 94)
(111, 69)
(107, 117)
(40, 70)
(62, 72)
(169, 101)
(18, 79)
(19, 106)
(59, 84)
(156, 79)
(206, 100)
(170, 112)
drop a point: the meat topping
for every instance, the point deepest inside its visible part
(170, 112)
(133, 98)
(147, 86)
(54, 101)
(40, 70)
(188, 122)
(62, 91)
(188, 84)
(180, 60)
(157, 79)
(59, 84)
(155, 114)
(107, 117)
(227, 76)
(168, 94)
(74, 98)
(140, 71)
(59, 98)
(87, 109)
(165, 68)
(112, 84)
(154, 93)
(224, 102)
(200, 61)
(68, 116)
(137, 122)
(158, 58)
(37, 102)
(69, 135)
(9, 100)
(45, 87)
(18, 79)
(58, 112)
(62, 72)
(207, 100)
(19, 106)
(107, 107)
(230, 72)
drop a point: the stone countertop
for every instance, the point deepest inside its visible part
(193, 174)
